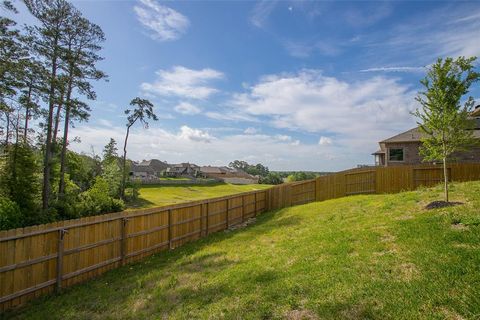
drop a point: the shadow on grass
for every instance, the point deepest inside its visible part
(140, 203)
(164, 277)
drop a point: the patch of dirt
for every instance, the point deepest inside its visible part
(441, 204)
(459, 226)
(387, 238)
(401, 218)
(355, 312)
(407, 271)
(300, 315)
(466, 246)
(241, 225)
(450, 315)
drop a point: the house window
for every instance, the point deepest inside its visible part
(395, 154)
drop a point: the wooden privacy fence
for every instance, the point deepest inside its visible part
(36, 260)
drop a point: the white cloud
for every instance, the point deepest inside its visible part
(261, 11)
(187, 108)
(451, 30)
(251, 130)
(395, 69)
(187, 144)
(197, 135)
(183, 82)
(163, 22)
(105, 122)
(325, 141)
(360, 113)
(231, 115)
(283, 137)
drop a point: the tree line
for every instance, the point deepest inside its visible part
(47, 76)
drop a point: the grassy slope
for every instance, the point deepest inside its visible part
(375, 256)
(151, 196)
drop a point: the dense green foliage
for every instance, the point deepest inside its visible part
(358, 257)
(47, 71)
(10, 214)
(271, 178)
(300, 176)
(253, 169)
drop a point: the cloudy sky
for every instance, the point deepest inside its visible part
(295, 85)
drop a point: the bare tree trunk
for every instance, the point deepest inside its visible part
(124, 164)
(57, 120)
(7, 133)
(48, 143)
(27, 113)
(61, 186)
(445, 177)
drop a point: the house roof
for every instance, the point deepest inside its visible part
(415, 135)
(141, 168)
(210, 169)
(476, 111)
(155, 164)
(184, 165)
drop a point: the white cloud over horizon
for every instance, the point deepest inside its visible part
(198, 146)
(359, 113)
(183, 82)
(187, 108)
(163, 22)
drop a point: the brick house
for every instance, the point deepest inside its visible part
(403, 149)
(228, 175)
(183, 170)
(148, 169)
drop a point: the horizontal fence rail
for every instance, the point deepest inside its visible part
(40, 259)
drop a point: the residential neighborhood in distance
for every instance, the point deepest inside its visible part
(151, 171)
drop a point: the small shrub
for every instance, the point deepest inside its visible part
(97, 200)
(10, 214)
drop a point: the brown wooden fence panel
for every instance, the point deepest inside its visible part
(37, 260)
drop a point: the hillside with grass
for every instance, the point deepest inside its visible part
(359, 257)
(159, 195)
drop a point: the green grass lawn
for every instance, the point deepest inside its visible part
(152, 196)
(359, 257)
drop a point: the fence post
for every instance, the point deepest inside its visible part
(255, 213)
(123, 246)
(206, 222)
(243, 208)
(170, 228)
(228, 218)
(202, 207)
(61, 234)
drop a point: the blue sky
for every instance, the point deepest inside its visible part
(294, 85)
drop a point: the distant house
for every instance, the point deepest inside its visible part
(228, 175)
(183, 169)
(403, 149)
(149, 169)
